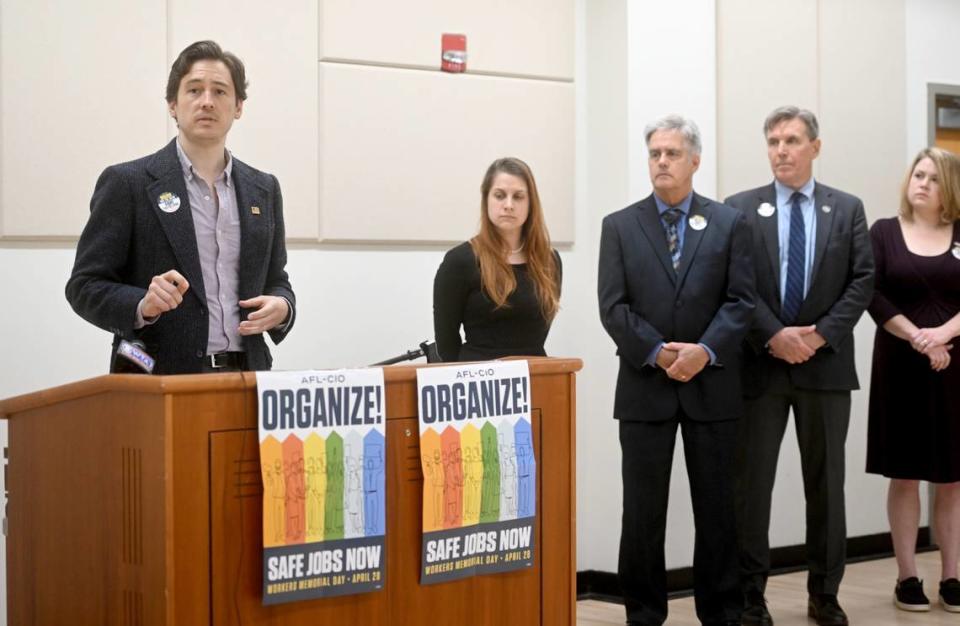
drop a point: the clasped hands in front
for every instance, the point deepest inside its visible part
(166, 291)
(682, 361)
(796, 344)
(933, 342)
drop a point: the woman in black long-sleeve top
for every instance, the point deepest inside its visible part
(502, 286)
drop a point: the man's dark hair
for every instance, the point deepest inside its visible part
(206, 51)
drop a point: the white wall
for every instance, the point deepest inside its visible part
(603, 186)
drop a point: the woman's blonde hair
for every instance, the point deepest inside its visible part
(496, 273)
(948, 175)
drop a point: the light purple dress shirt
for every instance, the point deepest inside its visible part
(217, 226)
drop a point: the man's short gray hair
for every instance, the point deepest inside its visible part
(687, 128)
(787, 113)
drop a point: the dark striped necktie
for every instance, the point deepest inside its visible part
(796, 263)
(671, 217)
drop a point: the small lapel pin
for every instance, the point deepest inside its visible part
(168, 202)
(698, 222)
(956, 250)
(826, 208)
(255, 210)
(766, 209)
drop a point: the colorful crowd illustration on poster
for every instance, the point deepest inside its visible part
(323, 464)
(479, 469)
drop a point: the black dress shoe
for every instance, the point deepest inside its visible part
(826, 611)
(755, 611)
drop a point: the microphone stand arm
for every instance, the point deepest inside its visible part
(426, 349)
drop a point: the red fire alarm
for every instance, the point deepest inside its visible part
(453, 57)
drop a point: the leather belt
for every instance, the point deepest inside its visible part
(226, 360)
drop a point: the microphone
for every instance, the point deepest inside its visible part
(131, 358)
(429, 349)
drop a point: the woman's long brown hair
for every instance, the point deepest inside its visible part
(496, 274)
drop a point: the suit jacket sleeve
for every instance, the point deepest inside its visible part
(839, 320)
(635, 337)
(765, 326)
(724, 335)
(765, 323)
(97, 290)
(278, 283)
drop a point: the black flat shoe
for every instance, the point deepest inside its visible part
(908, 595)
(950, 595)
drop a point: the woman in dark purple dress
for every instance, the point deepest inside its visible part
(914, 428)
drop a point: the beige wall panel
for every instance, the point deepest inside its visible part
(82, 88)
(278, 130)
(519, 37)
(863, 105)
(403, 152)
(766, 57)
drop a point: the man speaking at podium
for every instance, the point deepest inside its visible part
(184, 249)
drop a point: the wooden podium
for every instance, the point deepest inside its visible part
(136, 501)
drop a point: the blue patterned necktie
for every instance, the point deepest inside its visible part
(796, 263)
(671, 217)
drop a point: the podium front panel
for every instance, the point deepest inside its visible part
(137, 500)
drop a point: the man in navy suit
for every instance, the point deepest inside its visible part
(814, 269)
(184, 249)
(676, 296)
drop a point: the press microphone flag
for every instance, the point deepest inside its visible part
(132, 358)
